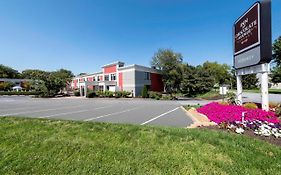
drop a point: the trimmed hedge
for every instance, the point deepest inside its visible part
(76, 93)
(123, 94)
(155, 95)
(18, 93)
(91, 94)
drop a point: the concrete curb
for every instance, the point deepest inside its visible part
(197, 118)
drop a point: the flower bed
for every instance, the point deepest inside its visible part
(229, 117)
(219, 113)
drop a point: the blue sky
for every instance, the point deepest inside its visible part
(82, 35)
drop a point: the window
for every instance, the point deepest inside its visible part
(98, 78)
(106, 78)
(146, 76)
(112, 77)
(94, 78)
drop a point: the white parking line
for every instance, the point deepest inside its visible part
(159, 116)
(75, 112)
(90, 119)
(44, 110)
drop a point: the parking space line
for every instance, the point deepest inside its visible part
(74, 112)
(90, 119)
(160, 116)
(44, 110)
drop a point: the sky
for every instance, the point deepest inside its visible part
(83, 35)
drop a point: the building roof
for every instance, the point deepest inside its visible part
(114, 63)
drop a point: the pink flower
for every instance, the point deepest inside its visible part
(219, 113)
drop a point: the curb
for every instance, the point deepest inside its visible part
(197, 118)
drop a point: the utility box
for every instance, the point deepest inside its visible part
(223, 90)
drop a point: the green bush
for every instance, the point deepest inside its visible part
(100, 93)
(118, 94)
(250, 105)
(167, 97)
(76, 93)
(231, 97)
(19, 93)
(108, 94)
(123, 94)
(278, 111)
(155, 95)
(5, 86)
(144, 92)
(91, 94)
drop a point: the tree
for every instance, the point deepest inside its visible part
(196, 80)
(49, 83)
(276, 75)
(220, 72)
(168, 62)
(144, 92)
(5, 86)
(8, 72)
(276, 71)
(277, 51)
(248, 81)
(26, 85)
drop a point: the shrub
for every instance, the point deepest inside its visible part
(100, 93)
(126, 94)
(91, 94)
(118, 94)
(108, 94)
(5, 86)
(278, 111)
(76, 93)
(144, 92)
(223, 103)
(231, 97)
(250, 105)
(167, 97)
(154, 95)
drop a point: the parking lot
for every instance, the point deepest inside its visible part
(131, 111)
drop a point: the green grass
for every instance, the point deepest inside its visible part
(271, 91)
(187, 107)
(212, 95)
(37, 146)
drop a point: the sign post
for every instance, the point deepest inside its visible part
(253, 46)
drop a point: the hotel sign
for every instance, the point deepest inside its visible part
(252, 36)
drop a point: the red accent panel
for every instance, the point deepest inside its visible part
(120, 81)
(91, 87)
(156, 82)
(75, 83)
(90, 79)
(111, 69)
(101, 78)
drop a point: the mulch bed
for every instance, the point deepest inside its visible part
(271, 139)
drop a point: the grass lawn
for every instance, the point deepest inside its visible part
(212, 95)
(271, 91)
(187, 107)
(38, 146)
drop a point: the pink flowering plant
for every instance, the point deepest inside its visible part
(239, 119)
(219, 113)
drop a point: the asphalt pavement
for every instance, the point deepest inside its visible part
(130, 111)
